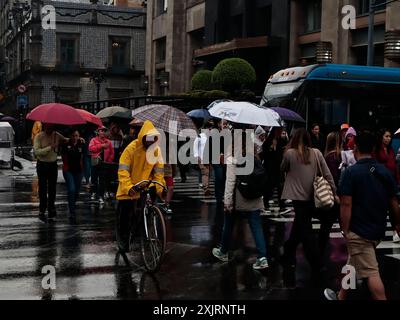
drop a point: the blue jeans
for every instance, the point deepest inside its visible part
(87, 167)
(73, 181)
(254, 220)
(220, 178)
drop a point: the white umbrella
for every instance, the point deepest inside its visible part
(246, 113)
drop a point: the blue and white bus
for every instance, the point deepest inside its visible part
(331, 94)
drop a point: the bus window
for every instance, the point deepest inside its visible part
(330, 112)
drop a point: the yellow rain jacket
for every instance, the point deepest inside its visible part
(135, 167)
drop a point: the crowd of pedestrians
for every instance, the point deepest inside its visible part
(361, 170)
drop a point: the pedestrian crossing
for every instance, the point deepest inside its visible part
(190, 189)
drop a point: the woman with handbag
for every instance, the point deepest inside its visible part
(301, 164)
(101, 150)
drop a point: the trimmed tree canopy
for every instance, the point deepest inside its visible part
(201, 80)
(233, 74)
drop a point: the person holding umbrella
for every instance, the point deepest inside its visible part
(45, 148)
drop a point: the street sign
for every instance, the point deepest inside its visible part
(22, 101)
(21, 88)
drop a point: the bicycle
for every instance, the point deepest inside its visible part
(152, 232)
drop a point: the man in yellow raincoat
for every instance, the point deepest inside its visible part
(141, 160)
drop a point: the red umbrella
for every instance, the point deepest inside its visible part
(56, 113)
(90, 117)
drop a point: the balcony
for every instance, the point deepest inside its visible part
(235, 44)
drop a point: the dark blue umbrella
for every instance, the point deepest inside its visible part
(200, 114)
(288, 115)
(8, 119)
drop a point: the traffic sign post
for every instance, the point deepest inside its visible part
(22, 101)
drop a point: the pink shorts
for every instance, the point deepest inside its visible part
(169, 181)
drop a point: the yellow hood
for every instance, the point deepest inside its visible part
(134, 167)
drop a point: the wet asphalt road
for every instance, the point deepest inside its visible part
(84, 254)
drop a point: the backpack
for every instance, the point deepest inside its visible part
(252, 186)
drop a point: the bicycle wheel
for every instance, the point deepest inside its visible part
(153, 240)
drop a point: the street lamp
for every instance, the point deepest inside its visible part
(56, 90)
(97, 78)
(372, 7)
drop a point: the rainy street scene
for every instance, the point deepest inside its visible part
(227, 151)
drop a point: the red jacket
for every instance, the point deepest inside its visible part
(388, 159)
(95, 149)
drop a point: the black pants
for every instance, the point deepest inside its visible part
(98, 180)
(302, 232)
(125, 220)
(47, 174)
(275, 180)
(327, 218)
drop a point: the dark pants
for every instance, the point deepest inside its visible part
(253, 217)
(327, 218)
(125, 220)
(73, 181)
(302, 232)
(183, 169)
(275, 180)
(87, 167)
(220, 178)
(47, 174)
(98, 180)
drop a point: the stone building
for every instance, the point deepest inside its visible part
(93, 46)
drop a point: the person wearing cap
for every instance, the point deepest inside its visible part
(134, 127)
(101, 150)
(343, 129)
(134, 167)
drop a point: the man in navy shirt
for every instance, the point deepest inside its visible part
(367, 192)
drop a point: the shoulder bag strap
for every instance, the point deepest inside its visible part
(318, 164)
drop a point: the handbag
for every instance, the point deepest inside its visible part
(323, 194)
(95, 161)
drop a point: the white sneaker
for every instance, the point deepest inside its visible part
(101, 200)
(396, 237)
(93, 196)
(265, 212)
(330, 294)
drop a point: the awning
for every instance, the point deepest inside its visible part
(235, 44)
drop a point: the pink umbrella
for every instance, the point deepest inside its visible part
(56, 113)
(90, 117)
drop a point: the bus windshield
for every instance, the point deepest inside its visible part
(364, 101)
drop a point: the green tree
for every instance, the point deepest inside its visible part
(201, 80)
(233, 75)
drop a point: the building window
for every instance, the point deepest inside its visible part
(161, 50)
(161, 7)
(313, 11)
(68, 50)
(363, 6)
(263, 21)
(236, 26)
(120, 53)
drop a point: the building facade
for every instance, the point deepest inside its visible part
(95, 51)
(184, 36)
(318, 35)
(174, 30)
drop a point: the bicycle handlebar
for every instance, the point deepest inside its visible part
(148, 183)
